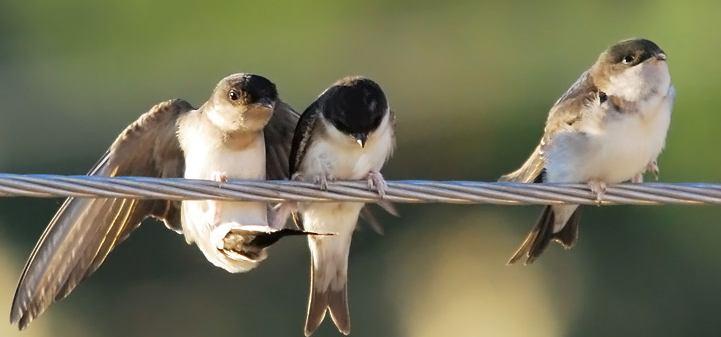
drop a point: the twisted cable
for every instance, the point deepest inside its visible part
(398, 191)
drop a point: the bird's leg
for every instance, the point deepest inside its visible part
(653, 168)
(599, 189)
(375, 180)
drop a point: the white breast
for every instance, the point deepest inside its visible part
(611, 149)
(338, 155)
(203, 160)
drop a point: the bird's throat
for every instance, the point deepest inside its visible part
(239, 140)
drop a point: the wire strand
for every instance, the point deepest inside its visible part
(398, 191)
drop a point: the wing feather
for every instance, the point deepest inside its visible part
(278, 138)
(567, 110)
(84, 231)
(303, 136)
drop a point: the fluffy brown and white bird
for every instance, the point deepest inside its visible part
(243, 131)
(609, 127)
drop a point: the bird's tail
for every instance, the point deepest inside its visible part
(543, 233)
(328, 285)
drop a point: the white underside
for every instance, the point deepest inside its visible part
(205, 222)
(338, 156)
(610, 148)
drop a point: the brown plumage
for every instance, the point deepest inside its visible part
(84, 231)
(587, 133)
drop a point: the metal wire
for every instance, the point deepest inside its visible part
(400, 191)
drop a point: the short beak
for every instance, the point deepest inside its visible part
(360, 138)
(266, 103)
(661, 57)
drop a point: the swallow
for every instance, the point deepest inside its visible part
(243, 131)
(346, 133)
(609, 127)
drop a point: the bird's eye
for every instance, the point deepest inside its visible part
(629, 59)
(233, 95)
(602, 97)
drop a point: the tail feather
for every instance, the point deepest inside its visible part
(327, 300)
(568, 236)
(317, 306)
(542, 233)
(338, 308)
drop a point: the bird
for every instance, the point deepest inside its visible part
(610, 126)
(347, 133)
(243, 131)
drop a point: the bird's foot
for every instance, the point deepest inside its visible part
(219, 177)
(376, 180)
(653, 168)
(322, 180)
(638, 178)
(599, 189)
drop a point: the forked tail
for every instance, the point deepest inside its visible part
(328, 285)
(542, 234)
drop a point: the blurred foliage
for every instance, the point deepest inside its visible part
(471, 83)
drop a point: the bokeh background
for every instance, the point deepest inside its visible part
(471, 83)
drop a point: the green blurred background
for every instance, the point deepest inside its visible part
(471, 83)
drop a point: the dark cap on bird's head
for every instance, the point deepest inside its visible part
(242, 102)
(631, 63)
(355, 106)
(248, 89)
(631, 52)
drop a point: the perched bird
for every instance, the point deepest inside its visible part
(346, 133)
(243, 131)
(609, 127)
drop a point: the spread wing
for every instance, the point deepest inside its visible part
(565, 112)
(278, 139)
(303, 136)
(84, 231)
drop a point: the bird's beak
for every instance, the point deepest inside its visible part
(266, 103)
(360, 138)
(661, 57)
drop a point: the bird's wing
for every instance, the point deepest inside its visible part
(567, 110)
(278, 139)
(84, 231)
(303, 136)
